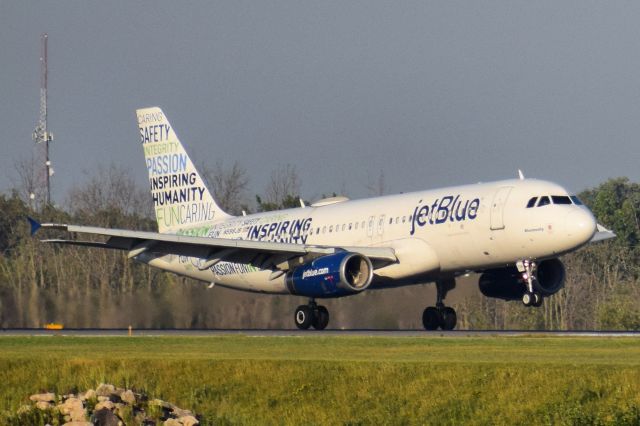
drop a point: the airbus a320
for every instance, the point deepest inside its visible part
(511, 232)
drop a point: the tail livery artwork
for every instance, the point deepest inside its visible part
(511, 232)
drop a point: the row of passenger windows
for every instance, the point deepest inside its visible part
(344, 227)
(354, 226)
(555, 199)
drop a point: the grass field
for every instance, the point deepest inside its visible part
(344, 380)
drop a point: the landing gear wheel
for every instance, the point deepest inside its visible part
(431, 318)
(537, 302)
(321, 318)
(449, 318)
(304, 317)
(531, 299)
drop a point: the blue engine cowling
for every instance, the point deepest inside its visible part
(335, 275)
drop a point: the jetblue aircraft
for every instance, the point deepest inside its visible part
(511, 231)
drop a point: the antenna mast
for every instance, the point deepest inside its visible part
(41, 134)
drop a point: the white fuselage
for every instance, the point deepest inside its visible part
(435, 233)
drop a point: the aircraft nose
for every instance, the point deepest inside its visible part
(580, 226)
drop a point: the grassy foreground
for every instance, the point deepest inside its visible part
(344, 380)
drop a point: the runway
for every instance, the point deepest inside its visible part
(312, 333)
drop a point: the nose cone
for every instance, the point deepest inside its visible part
(580, 226)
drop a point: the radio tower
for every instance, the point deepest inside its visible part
(41, 134)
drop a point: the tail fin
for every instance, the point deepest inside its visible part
(180, 197)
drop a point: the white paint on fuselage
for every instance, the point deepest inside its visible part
(500, 232)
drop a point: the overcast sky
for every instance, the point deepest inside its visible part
(433, 93)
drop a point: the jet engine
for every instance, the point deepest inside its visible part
(336, 275)
(508, 284)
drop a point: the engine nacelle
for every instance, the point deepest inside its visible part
(335, 275)
(507, 283)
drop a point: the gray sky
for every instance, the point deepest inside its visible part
(434, 93)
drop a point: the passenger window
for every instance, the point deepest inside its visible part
(330, 228)
(324, 229)
(543, 201)
(560, 199)
(356, 225)
(350, 226)
(390, 221)
(576, 200)
(403, 219)
(397, 219)
(344, 226)
(532, 202)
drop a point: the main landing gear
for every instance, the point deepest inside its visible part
(440, 316)
(529, 275)
(312, 315)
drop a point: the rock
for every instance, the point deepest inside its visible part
(45, 397)
(179, 412)
(104, 417)
(78, 414)
(112, 405)
(188, 421)
(105, 404)
(90, 394)
(42, 405)
(128, 397)
(105, 389)
(70, 405)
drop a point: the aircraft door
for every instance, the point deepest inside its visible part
(381, 220)
(370, 226)
(497, 207)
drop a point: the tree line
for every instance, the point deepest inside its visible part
(80, 287)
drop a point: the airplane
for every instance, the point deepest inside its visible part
(511, 232)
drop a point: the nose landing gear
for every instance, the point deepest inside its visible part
(440, 316)
(529, 274)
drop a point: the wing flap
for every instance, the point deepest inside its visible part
(95, 244)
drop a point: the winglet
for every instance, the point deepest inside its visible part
(35, 225)
(520, 174)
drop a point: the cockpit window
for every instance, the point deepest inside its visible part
(544, 201)
(576, 200)
(560, 199)
(532, 202)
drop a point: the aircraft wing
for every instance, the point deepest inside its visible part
(211, 250)
(601, 234)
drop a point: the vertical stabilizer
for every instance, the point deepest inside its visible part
(180, 197)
